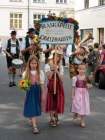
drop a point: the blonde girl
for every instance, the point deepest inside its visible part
(32, 105)
(80, 95)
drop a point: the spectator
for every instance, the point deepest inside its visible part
(93, 58)
(102, 60)
(0, 45)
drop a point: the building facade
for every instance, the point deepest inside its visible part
(21, 14)
(90, 15)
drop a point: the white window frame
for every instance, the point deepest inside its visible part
(61, 1)
(15, 0)
(38, 1)
(86, 4)
(101, 2)
(16, 21)
(37, 17)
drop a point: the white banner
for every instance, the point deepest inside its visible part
(56, 32)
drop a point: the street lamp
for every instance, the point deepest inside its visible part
(28, 11)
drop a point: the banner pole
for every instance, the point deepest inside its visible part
(55, 72)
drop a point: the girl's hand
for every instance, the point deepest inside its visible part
(89, 86)
(49, 75)
(91, 77)
(56, 69)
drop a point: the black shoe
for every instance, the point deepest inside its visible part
(13, 84)
(10, 84)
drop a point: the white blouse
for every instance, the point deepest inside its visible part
(42, 76)
(74, 79)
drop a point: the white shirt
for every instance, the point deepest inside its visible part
(13, 46)
(22, 44)
(42, 76)
(44, 47)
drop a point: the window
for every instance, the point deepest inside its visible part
(101, 35)
(15, 0)
(37, 17)
(39, 1)
(15, 21)
(84, 33)
(61, 1)
(101, 2)
(86, 4)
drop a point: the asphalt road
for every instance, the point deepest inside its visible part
(13, 126)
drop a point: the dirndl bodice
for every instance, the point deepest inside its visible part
(81, 83)
(33, 78)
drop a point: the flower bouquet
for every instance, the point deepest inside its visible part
(36, 39)
(24, 84)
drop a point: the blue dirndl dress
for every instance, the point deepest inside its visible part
(32, 105)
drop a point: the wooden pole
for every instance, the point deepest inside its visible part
(55, 72)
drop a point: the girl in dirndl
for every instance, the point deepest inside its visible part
(32, 105)
(55, 100)
(80, 95)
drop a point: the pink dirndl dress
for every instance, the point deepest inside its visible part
(80, 103)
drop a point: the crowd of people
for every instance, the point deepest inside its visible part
(46, 93)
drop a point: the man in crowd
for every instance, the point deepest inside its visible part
(11, 49)
(29, 45)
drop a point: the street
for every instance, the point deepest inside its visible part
(13, 126)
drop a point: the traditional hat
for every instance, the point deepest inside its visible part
(31, 30)
(13, 33)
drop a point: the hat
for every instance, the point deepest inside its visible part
(31, 30)
(13, 33)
